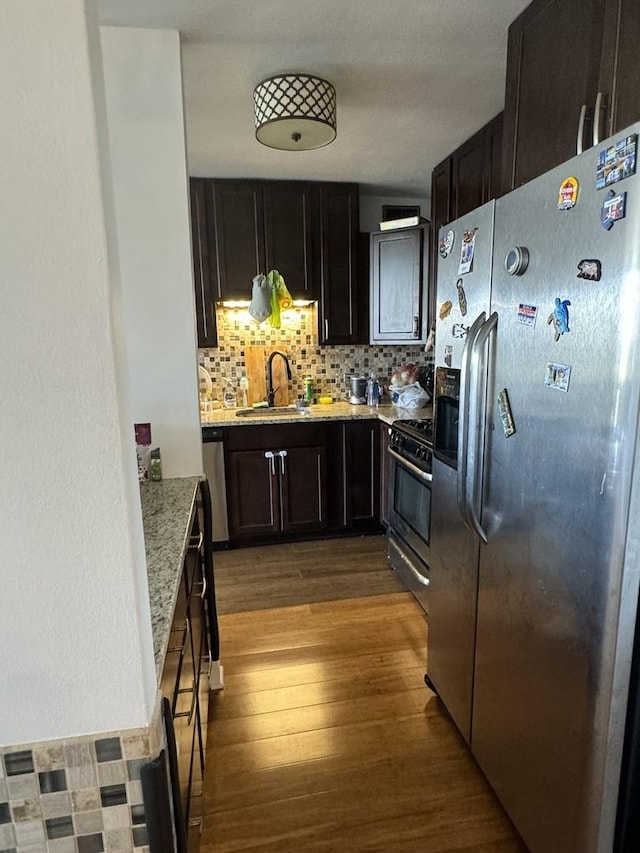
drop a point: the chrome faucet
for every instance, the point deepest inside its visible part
(271, 391)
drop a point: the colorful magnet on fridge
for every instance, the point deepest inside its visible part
(448, 354)
(568, 193)
(506, 416)
(616, 162)
(557, 376)
(467, 250)
(591, 269)
(445, 309)
(462, 297)
(445, 244)
(560, 317)
(527, 315)
(459, 330)
(613, 208)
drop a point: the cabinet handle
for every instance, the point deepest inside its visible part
(326, 330)
(282, 454)
(596, 119)
(269, 454)
(579, 140)
(196, 544)
(416, 326)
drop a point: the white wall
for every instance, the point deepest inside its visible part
(143, 87)
(371, 209)
(75, 639)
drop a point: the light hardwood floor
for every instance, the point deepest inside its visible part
(326, 739)
(302, 572)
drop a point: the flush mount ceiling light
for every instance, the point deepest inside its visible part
(295, 112)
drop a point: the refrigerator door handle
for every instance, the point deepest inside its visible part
(478, 371)
(463, 418)
(580, 138)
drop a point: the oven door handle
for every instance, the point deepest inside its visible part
(422, 475)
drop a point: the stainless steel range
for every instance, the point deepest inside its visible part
(409, 511)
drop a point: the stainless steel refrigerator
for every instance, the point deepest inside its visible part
(536, 498)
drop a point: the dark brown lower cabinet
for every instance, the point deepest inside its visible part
(360, 454)
(185, 684)
(384, 473)
(276, 480)
(302, 480)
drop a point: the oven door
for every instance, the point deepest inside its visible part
(409, 524)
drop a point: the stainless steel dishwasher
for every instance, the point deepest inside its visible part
(213, 458)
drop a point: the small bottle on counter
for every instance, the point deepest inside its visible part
(155, 465)
(244, 387)
(373, 391)
(229, 395)
(308, 389)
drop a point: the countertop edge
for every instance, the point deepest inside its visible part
(168, 509)
(332, 412)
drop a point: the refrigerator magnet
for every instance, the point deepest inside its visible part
(448, 354)
(568, 193)
(445, 244)
(445, 309)
(506, 416)
(527, 315)
(462, 297)
(466, 251)
(590, 269)
(459, 330)
(616, 162)
(559, 317)
(613, 208)
(558, 376)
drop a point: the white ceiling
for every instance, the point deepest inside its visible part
(414, 79)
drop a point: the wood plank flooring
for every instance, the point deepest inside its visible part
(302, 572)
(326, 740)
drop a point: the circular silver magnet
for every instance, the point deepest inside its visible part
(517, 260)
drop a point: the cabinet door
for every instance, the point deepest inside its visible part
(397, 286)
(493, 138)
(253, 494)
(468, 165)
(203, 283)
(619, 68)
(553, 62)
(290, 214)
(384, 473)
(339, 275)
(440, 215)
(303, 489)
(361, 460)
(236, 229)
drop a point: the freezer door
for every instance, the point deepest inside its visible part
(452, 600)
(554, 631)
(464, 285)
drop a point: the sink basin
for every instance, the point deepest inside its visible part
(274, 411)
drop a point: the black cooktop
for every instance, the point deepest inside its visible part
(421, 430)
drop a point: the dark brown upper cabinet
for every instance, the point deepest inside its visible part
(572, 71)
(290, 215)
(307, 231)
(467, 178)
(339, 225)
(619, 103)
(203, 281)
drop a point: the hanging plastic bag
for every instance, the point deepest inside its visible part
(260, 308)
(280, 297)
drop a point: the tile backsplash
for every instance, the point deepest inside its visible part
(329, 366)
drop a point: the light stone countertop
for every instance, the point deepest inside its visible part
(332, 411)
(167, 515)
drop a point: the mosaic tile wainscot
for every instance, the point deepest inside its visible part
(329, 366)
(81, 795)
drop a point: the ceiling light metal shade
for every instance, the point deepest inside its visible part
(295, 112)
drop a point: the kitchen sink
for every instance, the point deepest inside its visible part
(274, 411)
